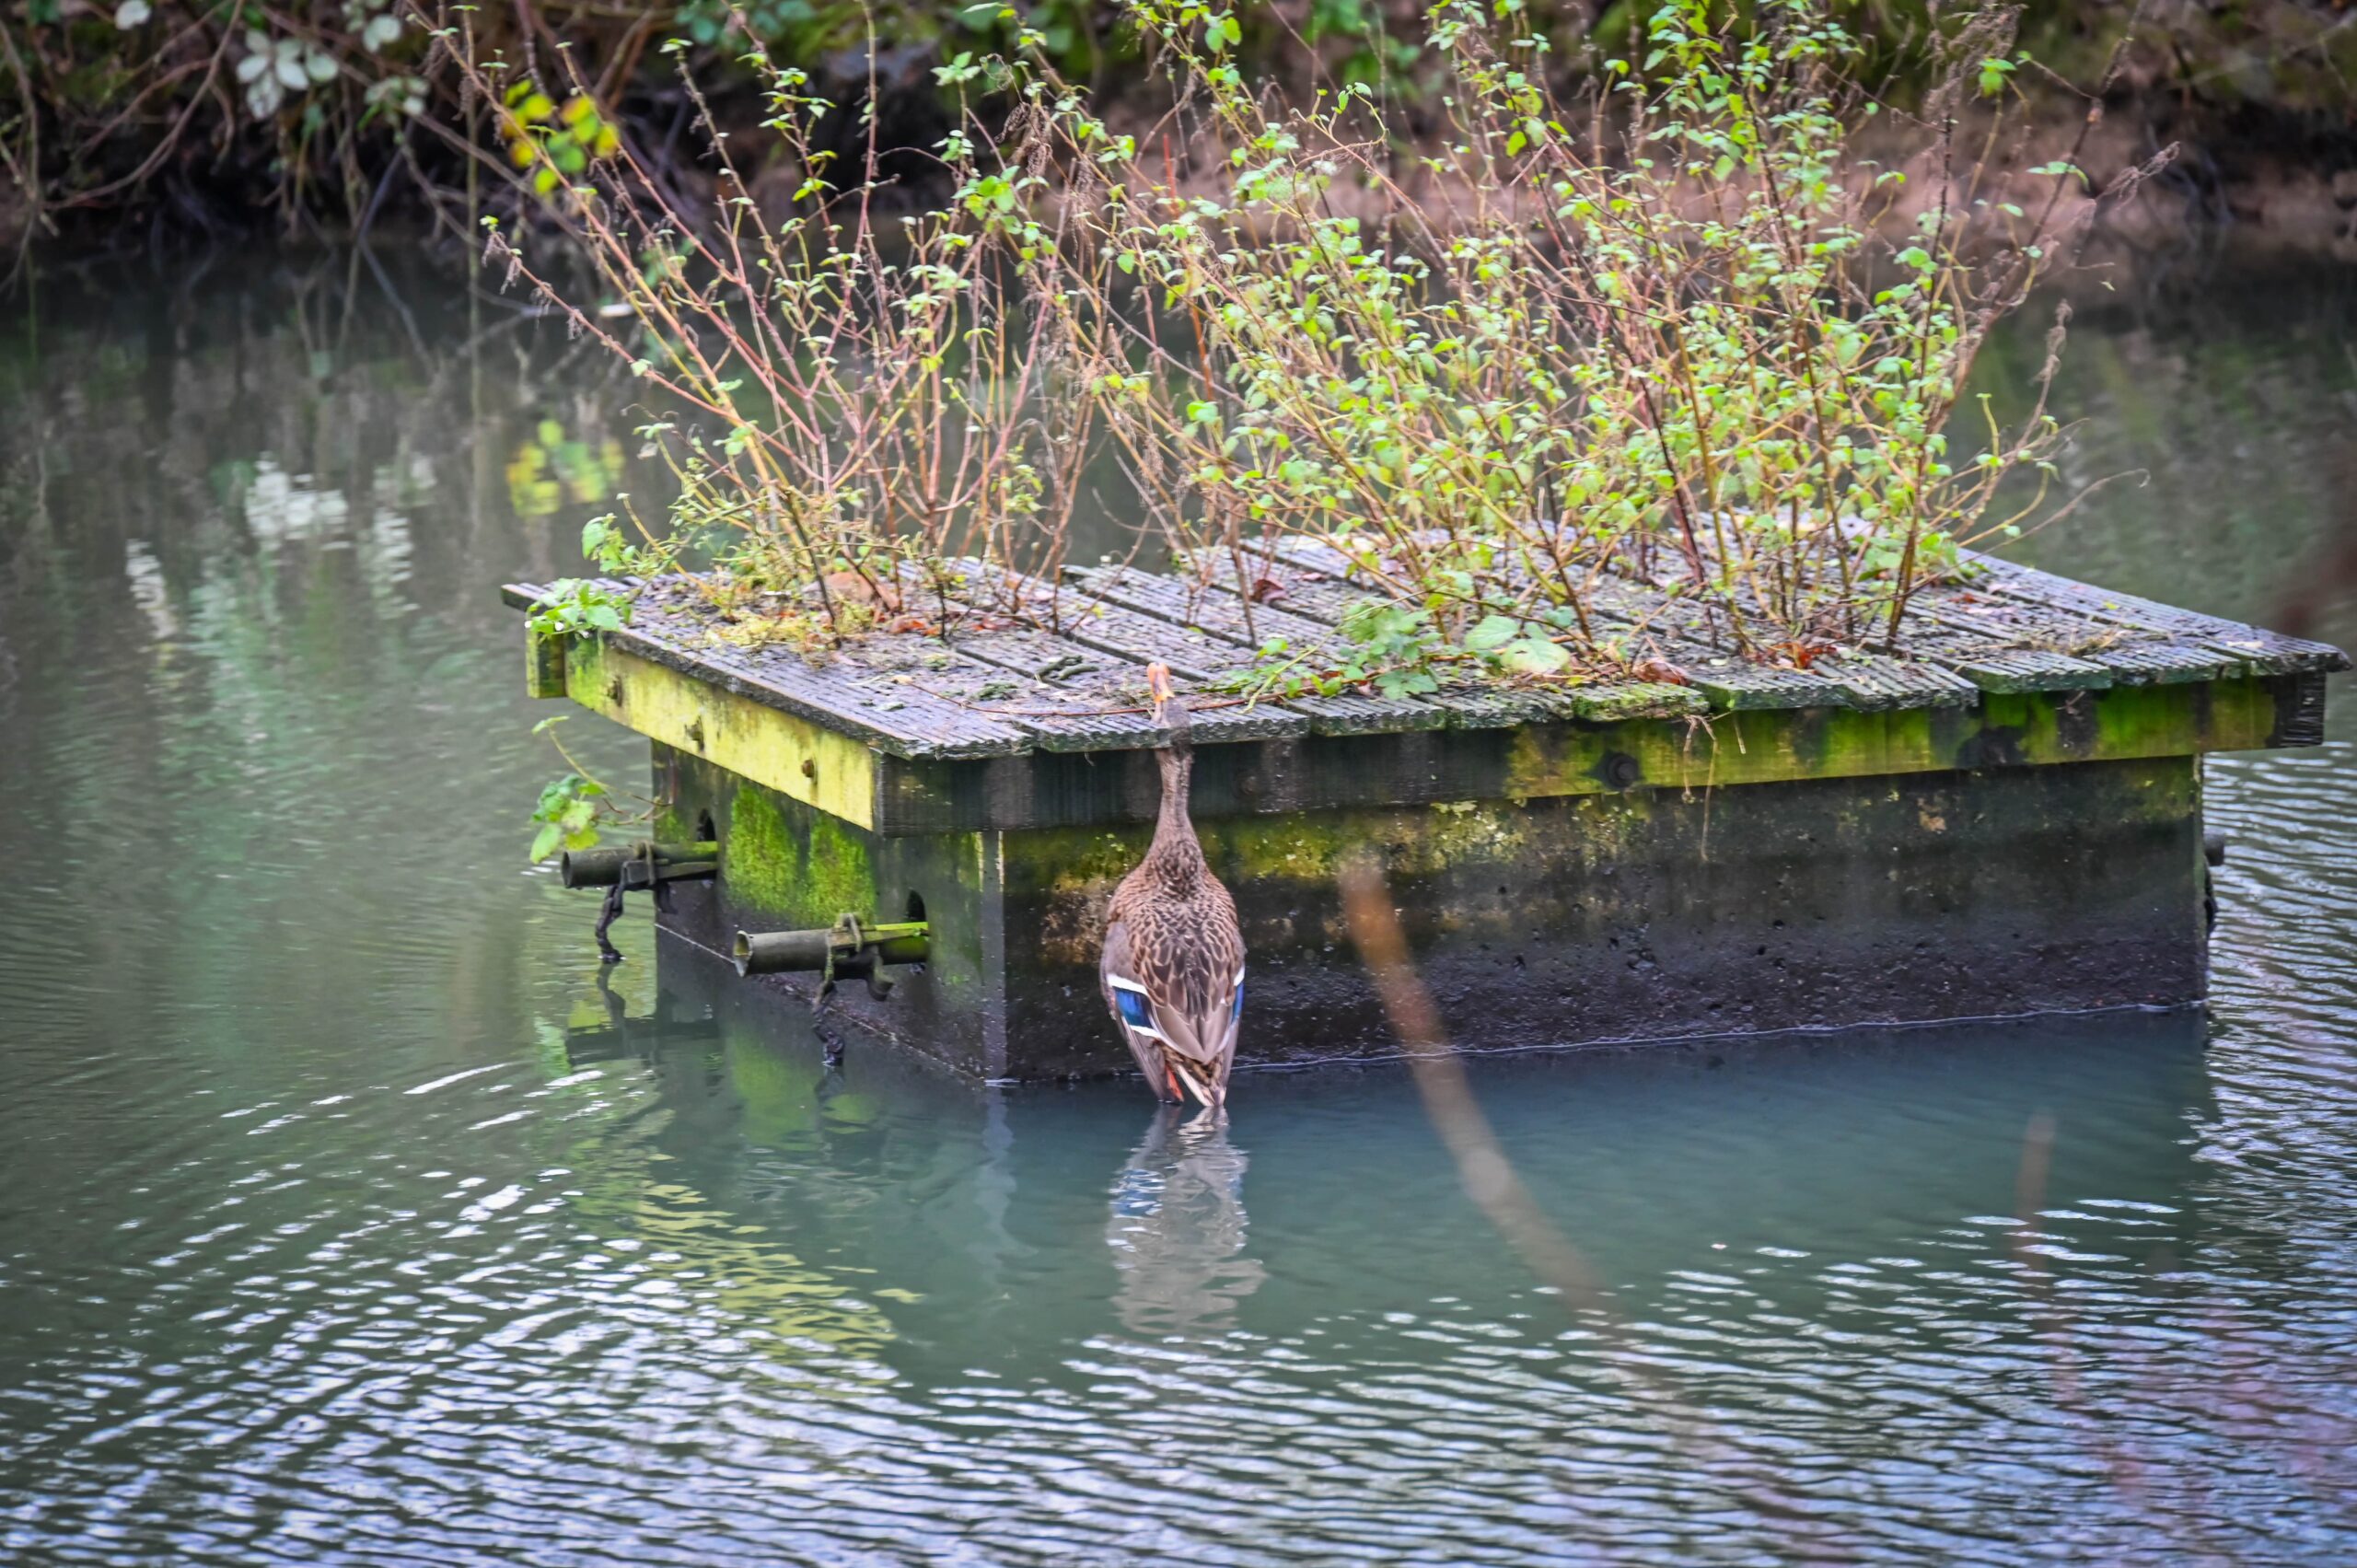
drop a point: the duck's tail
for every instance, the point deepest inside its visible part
(1191, 1075)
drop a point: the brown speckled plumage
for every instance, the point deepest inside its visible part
(1171, 932)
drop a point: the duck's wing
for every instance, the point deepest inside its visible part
(1192, 968)
(1132, 1006)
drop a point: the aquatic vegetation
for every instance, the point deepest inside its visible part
(846, 392)
(1676, 331)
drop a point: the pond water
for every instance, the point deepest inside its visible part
(347, 1213)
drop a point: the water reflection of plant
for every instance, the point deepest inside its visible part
(677, 1237)
(551, 468)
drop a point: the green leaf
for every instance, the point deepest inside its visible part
(1533, 655)
(1495, 631)
(545, 841)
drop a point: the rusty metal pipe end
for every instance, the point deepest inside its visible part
(602, 866)
(780, 952)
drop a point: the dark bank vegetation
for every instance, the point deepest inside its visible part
(158, 119)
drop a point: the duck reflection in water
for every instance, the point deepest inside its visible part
(1176, 1229)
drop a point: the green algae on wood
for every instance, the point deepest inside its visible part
(791, 755)
(544, 655)
(898, 796)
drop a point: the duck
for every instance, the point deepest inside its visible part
(1173, 960)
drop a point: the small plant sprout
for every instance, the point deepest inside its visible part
(574, 807)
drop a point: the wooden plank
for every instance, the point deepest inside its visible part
(1851, 677)
(757, 739)
(2253, 648)
(1650, 625)
(2025, 627)
(1325, 601)
(1999, 651)
(861, 705)
(1058, 717)
(2299, 709)
(544, 663)
(1132, 608)
(2024, 729)
(959, 750)
(1676, 631)
(1870, 682)
(2039, 612)
(1877, 680)
(2042, 632)
(1646, 623)
(1428, 769)
(1469, 706)
(1112, 677)
(2013, 669)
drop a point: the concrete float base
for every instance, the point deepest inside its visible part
(1649, 914)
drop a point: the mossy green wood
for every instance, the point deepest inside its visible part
(895, 796)
(2110, 724)
(1659, 913)
(791, 755)
(787, 865)
(544, 655)
(1645, 914)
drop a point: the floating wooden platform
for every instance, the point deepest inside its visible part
(1557, 847)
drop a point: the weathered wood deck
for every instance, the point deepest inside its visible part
(2017, 666)
(989, 688)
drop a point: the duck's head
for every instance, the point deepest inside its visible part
(1170, 715)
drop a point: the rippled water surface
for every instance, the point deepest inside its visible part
(345, 1215)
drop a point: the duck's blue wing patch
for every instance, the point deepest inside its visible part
(1135, 1010)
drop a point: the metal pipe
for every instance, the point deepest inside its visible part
(780, 952)
(847, 948)
(603, 866)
